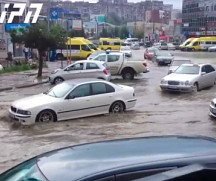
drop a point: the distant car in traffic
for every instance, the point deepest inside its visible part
(177, 45)
(163, 58)
(176, 63)
(212, 49)
(171, 46)
(95, 53)
(81, 69)
(190, 77)
(148, 44)
(164, 158)
(161, 46)
(149, 53)
(126, 50)
(135, 46)
(73, 99)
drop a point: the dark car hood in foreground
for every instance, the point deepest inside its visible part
(81, 161)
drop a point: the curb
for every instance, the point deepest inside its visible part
(24, 86)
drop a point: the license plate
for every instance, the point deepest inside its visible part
(11, 116)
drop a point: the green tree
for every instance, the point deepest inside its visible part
(76, 33)
(123, 33)
(116, 32)
(139, 33)
(104, 33)
(37, 36)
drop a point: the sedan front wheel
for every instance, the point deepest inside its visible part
(46, 116)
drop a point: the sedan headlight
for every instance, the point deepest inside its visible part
(164, 82)
(19, 111)
(54, 72)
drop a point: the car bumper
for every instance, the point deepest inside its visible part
(130, 103)
(176, 88)
(23, 119)
(166, 62)
(212, 111)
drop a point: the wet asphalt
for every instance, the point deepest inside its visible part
(156, 113)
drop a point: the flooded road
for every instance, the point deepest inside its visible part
(156, 113)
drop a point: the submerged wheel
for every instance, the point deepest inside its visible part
(117, 107)
(46, 116)
(128, 74)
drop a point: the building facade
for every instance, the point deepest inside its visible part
(199, 18)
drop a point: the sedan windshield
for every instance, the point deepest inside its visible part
(60, 90)
(164, 54)
(188, 70)
(152, 50)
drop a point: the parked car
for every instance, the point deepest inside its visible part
(212, 49)
(165, 157)
(81, 69)
(73, 99)
(126, 50)
(135, 46)
(213, 108)
(149, 53)
(1, 67)
(119, 65)
(171, 46)
(163, 58)
(95, 53)
(176, 63)
(190, 77)
(148, 44)
(177, 45)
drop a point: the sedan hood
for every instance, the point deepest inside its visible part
(173, 68)
(180, 77)
(33, 101)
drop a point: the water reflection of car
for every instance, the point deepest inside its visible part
(190, 77)
(126, 50)
(166, 157)
(163, 57)
(73, 99)
(149, 53)
(212, 49)
(81, 69)
(176, 63)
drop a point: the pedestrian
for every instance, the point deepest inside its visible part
(26, 52)
(9, 59)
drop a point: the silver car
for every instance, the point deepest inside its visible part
(190, 77)
(212, 49)
(176, 63)
(81, 69)
(94, 54)
(163, 58)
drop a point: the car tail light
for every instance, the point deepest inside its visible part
(105, 71)
(145, 64)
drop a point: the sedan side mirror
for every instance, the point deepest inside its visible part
(203, 73)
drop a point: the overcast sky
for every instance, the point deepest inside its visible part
(177, 3)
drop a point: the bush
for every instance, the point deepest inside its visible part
(16, 68)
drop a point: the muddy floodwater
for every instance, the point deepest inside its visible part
(156, 113)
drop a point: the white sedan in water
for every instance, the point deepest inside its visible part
(73, 99)
(190, 77)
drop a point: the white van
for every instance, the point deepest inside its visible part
(130, 41)
(205, 45)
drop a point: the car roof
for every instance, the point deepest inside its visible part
(84, 80)
(90, 61)
(83, 161)
(182, 60)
